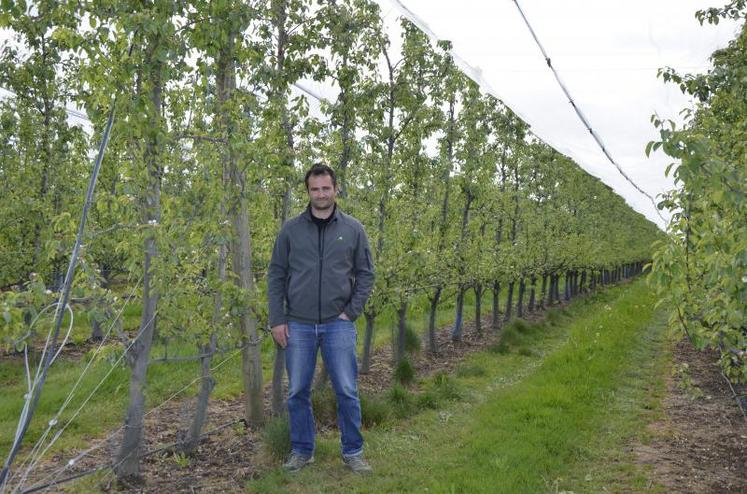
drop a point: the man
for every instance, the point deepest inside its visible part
(319, 279)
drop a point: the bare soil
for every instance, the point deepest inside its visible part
(233, 454)
(700, 445)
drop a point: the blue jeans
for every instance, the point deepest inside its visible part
(337, 341)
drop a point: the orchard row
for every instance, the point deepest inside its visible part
(205, 162)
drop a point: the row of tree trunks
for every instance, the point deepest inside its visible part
(576, 283)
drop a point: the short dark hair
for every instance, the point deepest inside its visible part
(320, 169)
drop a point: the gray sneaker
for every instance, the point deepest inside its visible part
(296, 462)
(357, 464)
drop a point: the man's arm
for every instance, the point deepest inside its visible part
(364, 277)
(277, 275)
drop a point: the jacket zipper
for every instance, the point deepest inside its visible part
(321, 265)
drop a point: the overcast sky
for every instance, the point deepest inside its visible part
(607, 53)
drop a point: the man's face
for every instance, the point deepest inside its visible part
(322, 193)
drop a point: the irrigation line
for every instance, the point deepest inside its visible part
(79, 456)
(46, 344)
(31, 385)
(85, 402)
(580, 115)
(34, 459)
(53, 422)
(217, 351)
(101, 382)
(204, 434)
(66, 479)
(67, 399)
(735, 395)
(195, 380)
(112, 466)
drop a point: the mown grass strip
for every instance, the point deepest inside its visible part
(533, 422)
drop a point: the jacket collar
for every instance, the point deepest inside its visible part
(335, 214)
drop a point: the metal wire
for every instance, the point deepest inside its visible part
(581, 116)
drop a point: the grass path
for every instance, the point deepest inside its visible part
(551, 414)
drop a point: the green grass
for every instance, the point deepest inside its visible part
(105, 411)
(549, 420)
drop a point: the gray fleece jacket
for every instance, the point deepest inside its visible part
(316, 274)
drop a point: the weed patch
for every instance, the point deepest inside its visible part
(466, 370)
(501, 348)
(277, 437)
(526, 352)
(447, 388)
(402, 402)
(374, 411)
(404, 372)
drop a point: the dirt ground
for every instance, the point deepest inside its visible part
(229, 457)
(700, 446)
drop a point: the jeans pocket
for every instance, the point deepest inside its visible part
(345, 324)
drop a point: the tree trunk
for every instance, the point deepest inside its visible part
(251, 357)
(520, 299)
(238, 211)
(582, 283)
(456, 333)
(46, 162)
(432, 343)
(543, 290)
(279, 17)
(478, 308)
(367, 343)
(128, 459)
(206, 387)
(96, 333)
(495, 316)
(509, 302)
(532, 300)
(192, 439)
(399, 349)
(382, 210)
